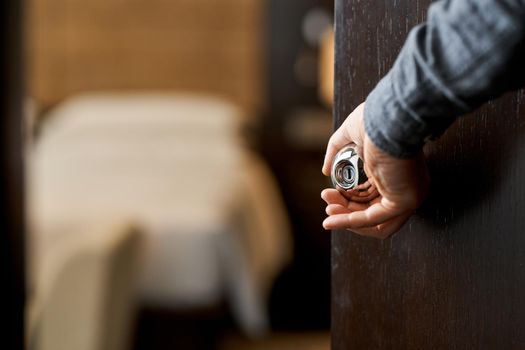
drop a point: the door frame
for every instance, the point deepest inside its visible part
(12, 223)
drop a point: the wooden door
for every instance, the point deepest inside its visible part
(11, 179)
(454, 277)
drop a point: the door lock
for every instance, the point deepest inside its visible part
(347, 170)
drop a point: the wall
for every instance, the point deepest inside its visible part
(205, 45)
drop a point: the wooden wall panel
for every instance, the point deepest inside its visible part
(203, 45)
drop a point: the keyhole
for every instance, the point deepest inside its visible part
(348, 174)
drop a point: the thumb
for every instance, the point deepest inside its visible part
(336, 142)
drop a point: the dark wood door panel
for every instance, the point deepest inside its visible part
(454, 276)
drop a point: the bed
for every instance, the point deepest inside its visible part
(176, 166)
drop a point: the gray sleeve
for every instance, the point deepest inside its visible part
(466, 53)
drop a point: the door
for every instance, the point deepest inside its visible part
(11, 179)
(454, 276)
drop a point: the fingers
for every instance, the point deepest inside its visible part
(384, 230)
(333, 196)
(334, 209)
(336, 142)
(364, 195)
(375, 214)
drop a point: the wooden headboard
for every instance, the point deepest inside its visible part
(198, 45)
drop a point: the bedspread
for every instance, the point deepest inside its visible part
(215, 226)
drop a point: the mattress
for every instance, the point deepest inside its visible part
(175, 165)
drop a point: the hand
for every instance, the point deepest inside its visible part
(401, 185)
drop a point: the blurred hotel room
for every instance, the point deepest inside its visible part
(174, 150)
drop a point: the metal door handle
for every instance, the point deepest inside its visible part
(349, 177)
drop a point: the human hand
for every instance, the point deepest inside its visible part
(401, 185)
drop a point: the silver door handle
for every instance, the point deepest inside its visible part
(348, 170)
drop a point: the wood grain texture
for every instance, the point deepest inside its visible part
(199, 45)
(454, 277)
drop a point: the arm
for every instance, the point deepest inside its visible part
(465, 54)
(468, 52)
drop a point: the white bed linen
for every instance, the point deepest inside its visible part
(214, 222)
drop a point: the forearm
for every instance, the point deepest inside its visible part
(466, 53)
